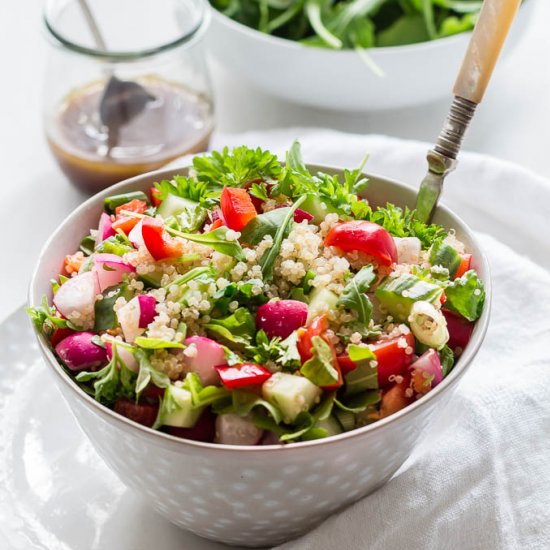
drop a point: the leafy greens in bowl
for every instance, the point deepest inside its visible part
(354, 23)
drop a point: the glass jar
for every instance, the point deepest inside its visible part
(131, 97)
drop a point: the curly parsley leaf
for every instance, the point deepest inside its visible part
(238, 167)
(205, 193)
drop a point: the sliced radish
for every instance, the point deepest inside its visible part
(281, 317)
(135, 236)
(232, 429)
(429, 365)
(105, 229)
(124, 354)
(78, 352)
(147, 305)
(460, 330)
(110, 270)
(129, 316)
(201, 356)
(301, 215)
(75, 299)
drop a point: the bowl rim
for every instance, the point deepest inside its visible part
(458, 370)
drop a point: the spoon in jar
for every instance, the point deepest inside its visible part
(122, 100)
(489, 34)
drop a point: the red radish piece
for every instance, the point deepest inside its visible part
(201, 356)
(281, 317)
(232, 429)
(124, 354)
(77, 295)
(110, 270)
(105, 229)
(460, 330)
(78, 352)
(429, 365)
(204, 430)
(299, 214)
(135, 236)
(142, 413)
(147, 305)
(129, 317)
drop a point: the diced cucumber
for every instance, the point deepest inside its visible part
(152, 279)
(330, 424)
(446, 256)
(315, 206)
(173, 205)
(398, 294)
(346, 419)
(321, 300)
(291, 393)
(177, 408)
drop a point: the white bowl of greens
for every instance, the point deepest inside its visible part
(361, 55)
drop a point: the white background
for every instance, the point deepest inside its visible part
(513, 123)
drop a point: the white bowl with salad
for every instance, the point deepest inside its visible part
(252, 345)
(357, 55)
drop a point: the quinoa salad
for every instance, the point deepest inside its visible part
(254, 302)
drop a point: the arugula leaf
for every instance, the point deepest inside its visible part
(320, 369)
(156, 343)
(244, 402)
(237, 329)
(354, 295)
(148, 374)
(358, 402)
(267, 261)
(203, 396)
(107, 382)
(466, 296)
(365, 375)
(216, 240)
(105, 316)
(45, 317)
(265, 224)
(447, 358)
(235, 168)
(194, 273)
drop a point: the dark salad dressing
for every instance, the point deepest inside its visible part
(171, 121)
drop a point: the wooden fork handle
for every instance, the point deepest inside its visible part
(493, 24)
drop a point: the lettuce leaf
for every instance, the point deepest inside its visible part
(466, 296)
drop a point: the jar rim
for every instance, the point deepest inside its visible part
(128, 55)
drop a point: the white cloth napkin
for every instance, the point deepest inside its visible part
(483, 480)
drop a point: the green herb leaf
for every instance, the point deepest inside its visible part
(354, 295)
(216, 240)
(105, 316)
(156, 343)
(237, 329)
(267, 261)
(265, 224)
(320, 369)
(148, 374)
(447, 358)
(358, 402)
(365, 376)
(204, 193)
(466, 296)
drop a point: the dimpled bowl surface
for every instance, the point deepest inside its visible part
(251, 496)
(414, 74)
